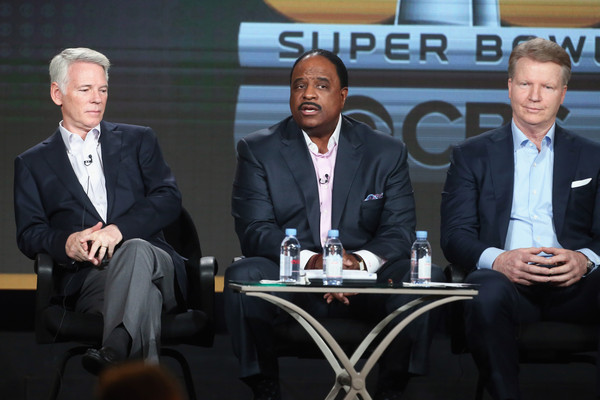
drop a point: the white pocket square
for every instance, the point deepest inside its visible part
(582, 182)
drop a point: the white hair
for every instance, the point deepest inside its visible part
(60, 64)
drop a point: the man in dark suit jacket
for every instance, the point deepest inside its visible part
(286, 178)
(96, 196)
(521, 206)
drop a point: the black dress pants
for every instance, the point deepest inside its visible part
(492, 320)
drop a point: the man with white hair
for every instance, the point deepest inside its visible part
(95, 196)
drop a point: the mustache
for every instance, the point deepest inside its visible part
(309, 103)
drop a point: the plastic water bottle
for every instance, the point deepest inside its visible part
(289, 260)
(420, 260)
(333, 261)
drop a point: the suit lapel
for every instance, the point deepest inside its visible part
(58, 160)
(348, 160)
(500, 150)
(296, 156)
(110, 140)
(565, 154)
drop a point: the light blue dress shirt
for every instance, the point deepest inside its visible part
(531, 223)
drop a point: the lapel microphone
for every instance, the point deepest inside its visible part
(322, 181)
(89, 161)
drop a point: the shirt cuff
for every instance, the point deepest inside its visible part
(372, 261)
(305, 255)
(487, 258)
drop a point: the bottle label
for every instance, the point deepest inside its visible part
(333, 266)
(285, 267)
(425, 267)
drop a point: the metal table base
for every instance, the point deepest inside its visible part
(347, 377)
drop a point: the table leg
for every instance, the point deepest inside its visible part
(347, 377)
(372, 335)
(385, 342)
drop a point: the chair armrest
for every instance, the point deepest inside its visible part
(43, 267)
(456, 273)
(205, 298)
(208, 269)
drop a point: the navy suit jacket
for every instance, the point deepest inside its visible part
(275, 187)
(477, 196)
(50, 203)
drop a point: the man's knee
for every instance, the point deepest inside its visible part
(134, 254)
(497, 295)
(135, 245)
(252, 269)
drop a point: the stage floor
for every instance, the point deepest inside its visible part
(27, 368)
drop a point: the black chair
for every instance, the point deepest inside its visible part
(539, 342)
(54, 323)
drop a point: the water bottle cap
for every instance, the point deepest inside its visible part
(333, 233)
(421, 234)
(290, 232)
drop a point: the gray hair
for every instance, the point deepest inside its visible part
(60, 64)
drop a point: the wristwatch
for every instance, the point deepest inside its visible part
(589, 266)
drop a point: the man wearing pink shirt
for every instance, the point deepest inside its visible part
(314, 171)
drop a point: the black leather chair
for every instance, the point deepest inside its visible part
(539, 342)
(195, 326)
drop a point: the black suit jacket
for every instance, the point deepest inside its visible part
(275, 187)
(477, 196)
(50, 203)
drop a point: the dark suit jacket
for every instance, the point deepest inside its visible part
(50, 203)
(275, 187)
(477, 196)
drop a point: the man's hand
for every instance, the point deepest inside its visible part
(77, 245)
(350, 262)
(519, 265)
(341, 297)
(526, 267)
(102, 243)
(570, 266)
(315, 262)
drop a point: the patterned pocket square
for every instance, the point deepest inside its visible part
(376, 196)
(582, 182)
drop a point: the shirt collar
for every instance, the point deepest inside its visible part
(520, 140)
(71, 139)
(333, 140)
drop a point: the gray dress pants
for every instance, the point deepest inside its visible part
(134, 289)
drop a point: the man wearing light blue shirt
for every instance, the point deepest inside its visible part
(521, 208)
(530, 224)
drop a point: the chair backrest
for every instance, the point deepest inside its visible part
(183, 236)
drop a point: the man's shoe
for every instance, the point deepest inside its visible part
(95, 360)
